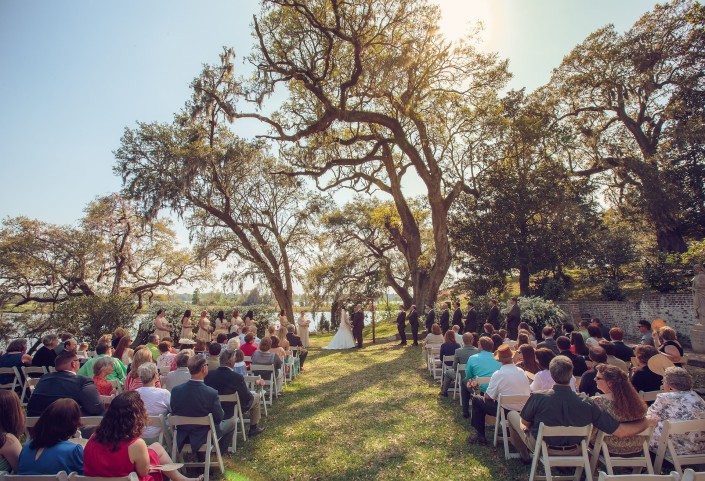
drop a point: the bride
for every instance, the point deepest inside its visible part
(343, 339)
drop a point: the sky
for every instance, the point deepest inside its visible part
(74, 74)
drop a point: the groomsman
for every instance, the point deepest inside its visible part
(431, 318)
(445, 318)
(513, 319)
(358, 323)
(414, 324)
(401, 324)
(471, 319)
(458, 316)
(493, 317)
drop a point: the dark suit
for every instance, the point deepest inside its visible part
(549, 343)
(44, 357)
(430, 319)
(65, 384)
(414, 324)
(471, 320)
(195, 399)
(295, 341)
(445, 320)
(458, 319)
(579, 364)
(622, 351)
(226, 381)
(358, 323)
(493, 317)
(401, 326)
(513, 319)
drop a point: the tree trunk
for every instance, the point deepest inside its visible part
(524, 276)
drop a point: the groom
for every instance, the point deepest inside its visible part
(358, 322)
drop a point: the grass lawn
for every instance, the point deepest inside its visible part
(366, 414)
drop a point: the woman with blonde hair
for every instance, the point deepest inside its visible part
(667, 344)
(133, 381)
(204, 327)
(435, 338)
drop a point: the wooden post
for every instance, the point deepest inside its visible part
(374, 340)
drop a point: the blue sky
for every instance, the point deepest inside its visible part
(74, 74)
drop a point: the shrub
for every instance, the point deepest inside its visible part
(90, 317)
(539, 312)
(611, 291)
(666, 272)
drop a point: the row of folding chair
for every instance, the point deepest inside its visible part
(688, 475)
(62, 476)
(26, 381)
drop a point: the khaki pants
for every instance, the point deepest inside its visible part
(255, 412)
(525, 443)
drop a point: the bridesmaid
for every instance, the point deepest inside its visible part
(303, 329)
(161, 327)
(186, 326)
(204, 327)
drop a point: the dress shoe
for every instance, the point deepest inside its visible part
(476, 439)
(256, 431)
(466, 415)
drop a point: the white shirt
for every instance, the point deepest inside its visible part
(509, 379)
(156, 401)
(544, 381)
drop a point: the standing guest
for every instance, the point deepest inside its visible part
(508, 380)
(543, 380)
(414, 324)
(195, 399)
(577, 344)
(645, 331)
(103, 367)
(49, 450)
(226, 381)
(116, 448)
(181, 374)
(643, 378)
(670, 346)
(123, 352)
(513, 319)
(678, 403)
(471, 318)
(166, 357)
(235, 320)
(608, 346)
(595, 336)
(493, 316)
(103, 350)
(458, 316)
(527, 356)
(45, 355)
(401, 325)
(295, 341)
(604, 330)
(204, 328)
(488, 330)
(482, 364)
(283, 320)
(250, 318)
(303, 328)
(587, 381)
(156, 400)
(461, 357)
(16, 356)
(264, 356)
(621, 350)
(11, 429)
(623, 403)
(153, 345)
(524, 326)
(430, 317)
(186, 326)
(435, 338)
(213, 354)
(162, 328)
(133, 381)
(579, 364)
(65, 383)
(548, 341)
(445, 317)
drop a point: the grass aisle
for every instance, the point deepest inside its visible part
(366, 414)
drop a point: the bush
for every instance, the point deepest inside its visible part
(553, 290)
(539, 312)
(666, 273)
(611, 291)
(89, 317)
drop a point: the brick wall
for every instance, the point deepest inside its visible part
(676, 309)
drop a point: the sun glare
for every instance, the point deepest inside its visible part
(461, 16)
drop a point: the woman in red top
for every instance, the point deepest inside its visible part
(102, 367)
(249, 347)
(116, 449)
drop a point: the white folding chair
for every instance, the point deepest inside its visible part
(28, 372)
(77, 477)
(239, 418)
(459, 371)
(164, 437)
(638, 477)
(117, 385)
(541, 454)
(270, 383)
(690, 475)
(251, 381)
(29, 423)
(211, 442)
(106, 399)
(666, 449)
(16, 380)
(601, 454)
(432, 353)
(445, 359)
(60, 476)
(501, 422)
(649, 396)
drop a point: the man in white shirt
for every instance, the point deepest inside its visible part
(509, 379)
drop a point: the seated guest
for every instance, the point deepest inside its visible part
(195, 399)
(487, 330)
(461, 357)
(579, 365)
(156, 400)
(213, 353)
(49, 450)
(45, 355)
(621, 350)
(123, 351)
(65, 383)
(502, 333)
(623, 403)
(560, 406)
(522, 338)
(133, 381)
(669, 346)
(482, 364)
(116, 448)
(525, 358)
(645, 331)
(226, 381)
(295, 341)
(608, 346)
(200, 347)
(548, 341)
(435, 338)
(497, 340)
(643, 378)
(249, 330)
(568, 327)
(102, 350)
(678, 403)
(583, 329)
(587, 381)
(153, 344)
(15, 356)
(456, 331)
(577, 344)
(543, 380)
(181, 374)
(234, 343)
(239, 366)
(277, 348)
(449, 346)
(63, 339)
(264, 356)
(248, 348)
(604, 330)
(101, 369)
(524, 326)
(595, 336)
(165, 355)
(11, 429)
(509, 379)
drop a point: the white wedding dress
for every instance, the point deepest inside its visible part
(343, 339)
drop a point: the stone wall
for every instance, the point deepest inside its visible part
(676, 309)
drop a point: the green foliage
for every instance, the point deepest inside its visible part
(90, 317)
(196, 297)
(554, 290)
(611, 291)
(539, 312)
(665, 272)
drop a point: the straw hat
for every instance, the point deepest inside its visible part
(658, 364)
(185, 340)
(503, 353)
